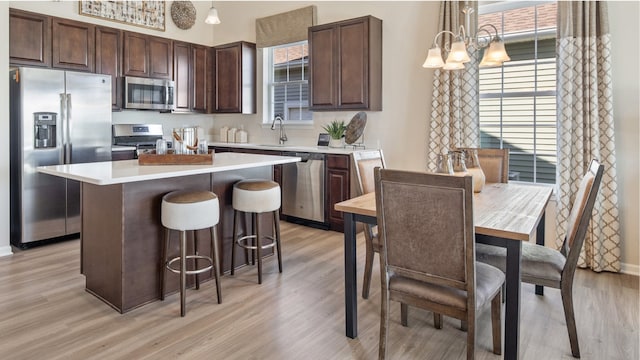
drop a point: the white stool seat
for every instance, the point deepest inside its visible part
(190, 211)
(256, 196)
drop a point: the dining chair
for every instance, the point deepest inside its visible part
(427, 256)
(365, 162)
(494, 164)
(545, 266)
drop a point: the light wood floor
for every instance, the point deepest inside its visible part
(45, 313)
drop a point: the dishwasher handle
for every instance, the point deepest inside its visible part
(306, 156)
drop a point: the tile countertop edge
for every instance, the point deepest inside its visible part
(126, 171)
(293, 148)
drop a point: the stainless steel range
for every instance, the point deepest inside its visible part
(142, 136)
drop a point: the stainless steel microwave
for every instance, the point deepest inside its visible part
(148, 94)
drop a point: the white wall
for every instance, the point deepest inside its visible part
(401, 128)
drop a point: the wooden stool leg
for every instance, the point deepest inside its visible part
(258, 247)
(216, 262)
(253, 231)
(195, 251)
(233, 242)
(183, 271)
(163, 262)
(276, 225)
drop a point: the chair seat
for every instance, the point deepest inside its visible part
(537, 262)
(488, 281)
(190, 210)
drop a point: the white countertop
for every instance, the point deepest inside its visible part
(296, 148)
(118, 172)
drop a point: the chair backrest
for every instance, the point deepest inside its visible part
(365, 161)
(425, 225)
(581, 214)
(494, 164)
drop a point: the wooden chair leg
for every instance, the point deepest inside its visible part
(567, 302)
(384, 325)
(216, 262)
(276, 225)
(437, 320)
(404, 314)
(368, 266)
(496, 323)
(471, 337)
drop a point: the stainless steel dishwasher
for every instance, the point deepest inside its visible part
(303, 189)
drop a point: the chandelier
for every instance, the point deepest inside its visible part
(494, 54)
(212, 16)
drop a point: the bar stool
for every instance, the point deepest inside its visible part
(256, 196)
(190, 211)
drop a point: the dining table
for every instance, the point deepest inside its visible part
(505, 214)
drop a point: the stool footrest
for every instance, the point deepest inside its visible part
(191, 272)
(270, 244)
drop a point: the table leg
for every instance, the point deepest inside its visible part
(540, 241)
(512, 303)
(350, 281)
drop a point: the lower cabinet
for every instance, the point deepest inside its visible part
(338, 187)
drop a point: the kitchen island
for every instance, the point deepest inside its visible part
(121, 232)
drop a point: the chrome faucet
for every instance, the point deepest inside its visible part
(283, 135)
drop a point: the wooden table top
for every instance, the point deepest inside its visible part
(510, 211)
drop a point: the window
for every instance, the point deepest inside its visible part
(288, 88)
(518, 99)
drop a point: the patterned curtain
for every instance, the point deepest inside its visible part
(585, 126)
(454, 106)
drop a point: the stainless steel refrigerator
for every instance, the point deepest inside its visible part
(56, 117)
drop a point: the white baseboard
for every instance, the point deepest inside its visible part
(630, 269)
(5, 251)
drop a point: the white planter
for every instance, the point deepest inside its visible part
(336, 143)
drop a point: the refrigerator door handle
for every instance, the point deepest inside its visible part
(67, 129)
(61, 123)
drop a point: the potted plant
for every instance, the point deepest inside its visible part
(335, 129)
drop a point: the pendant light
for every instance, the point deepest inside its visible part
(212, 17)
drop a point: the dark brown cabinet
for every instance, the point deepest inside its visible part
(181, 78)
(234, 78)
(345, 65)
(73, 45)
(29, 39)
(109, 60)
(199, 59)
(147, 56)
(338, 188)
(190, 77)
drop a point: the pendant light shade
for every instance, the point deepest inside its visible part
(212, 17)
(434, 58)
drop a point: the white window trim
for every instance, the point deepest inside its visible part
(267, 116)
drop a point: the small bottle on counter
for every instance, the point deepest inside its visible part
(223, 133)
(231, 135)
(241, 135)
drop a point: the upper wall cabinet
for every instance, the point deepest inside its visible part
(190, 76)
(234, 78)
(109, 60)
(345, 65)
(147, 56)
(73, 45)
(29, 39)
